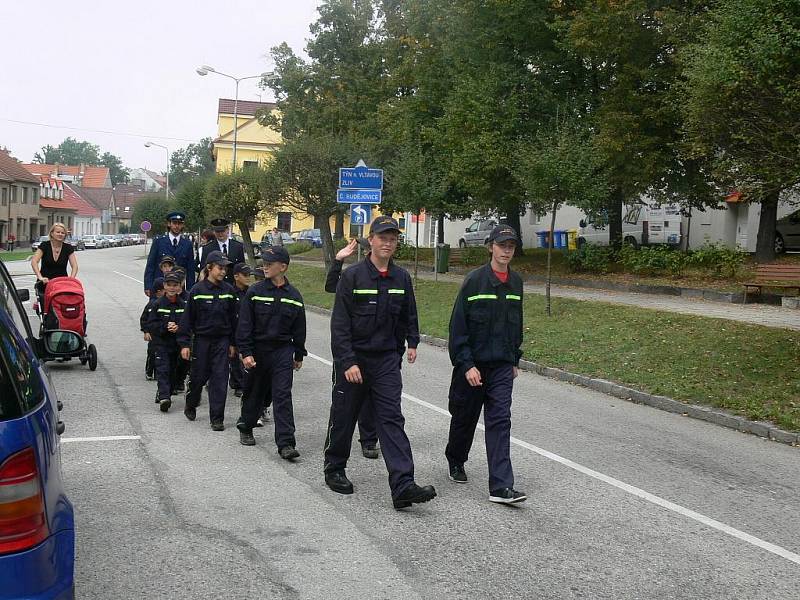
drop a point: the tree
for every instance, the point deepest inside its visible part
(191, 199)
(191, 162)
(118, 173)
(741, 90)
(153, 208)
(237, 196)
(69, 152)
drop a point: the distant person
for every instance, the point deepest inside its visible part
(230, 248)
(242, 274)
(52, 257)
(171, 244)
(277, 238)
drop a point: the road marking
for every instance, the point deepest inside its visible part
(128, 276)
(625, 487)
(105, 438)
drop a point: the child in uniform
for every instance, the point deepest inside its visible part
(155, 293)
(241, 281)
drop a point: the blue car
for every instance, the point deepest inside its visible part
(310, 236)
(37, 530)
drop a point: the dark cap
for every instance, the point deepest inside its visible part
(158, 284)
(275, 254)
(384, 223)
(220, 224)
(218, 258)
(176, 215)
(242, 268)
(179, 269)
(503, 233)
(174, 276)
(167, 259)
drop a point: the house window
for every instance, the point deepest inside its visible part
(24, 195)
(250, 164)
(284, 221)
(13, 194)
(34, 196)
(4, 196)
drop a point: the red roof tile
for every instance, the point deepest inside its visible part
(246, 108)
(93, 177)
(13, 170)
(83, 208)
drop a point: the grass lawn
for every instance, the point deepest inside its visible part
(747, 369)
(15, 255)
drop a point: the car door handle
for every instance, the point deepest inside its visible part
(60, 427)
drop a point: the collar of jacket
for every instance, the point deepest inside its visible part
(271, 286)
(492, 277)
(373, 270)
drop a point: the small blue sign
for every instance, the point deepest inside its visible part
(360, 214)
(358, 196)
(360, 178)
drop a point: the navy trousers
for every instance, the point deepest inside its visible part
(167, 371)
(238, 374)
(149, 364)
(273, 376)
(465, 405)
(368, 434)
(382, 389)
(209, 365)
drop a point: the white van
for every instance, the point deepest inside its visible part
(642, 225)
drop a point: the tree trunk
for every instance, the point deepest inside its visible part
(765, 243)
(248, 243)
(339, 224)
(416, 251)
(615, 219)
(549, 257)
(512, 218)
(328, 251)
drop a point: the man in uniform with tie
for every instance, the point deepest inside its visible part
(171, 244)
(230, 248)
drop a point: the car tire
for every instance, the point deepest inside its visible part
(780, 245)
(462, 244)
(631, 241)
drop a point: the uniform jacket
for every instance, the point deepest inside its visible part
(210, 312)
(162, 312)
(270, 317)
(183, 254)
(235, 255)
(486, 324)
(372, 313)
(333, 276)
(146, 314)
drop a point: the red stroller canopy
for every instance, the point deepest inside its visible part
(61, 285)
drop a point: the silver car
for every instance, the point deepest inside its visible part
(787, 233)
(477, 234)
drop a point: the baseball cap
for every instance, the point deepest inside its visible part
(167, 259)
(242, 268)
(503, 233)
(173, 276)
(384, 223)
(158, 284)
(218, 258)
(275, 254)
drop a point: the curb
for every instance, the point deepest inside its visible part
(702, 413)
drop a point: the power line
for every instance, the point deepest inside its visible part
(124, 133)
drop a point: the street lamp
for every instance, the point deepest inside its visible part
(205, 70)
(148, 145)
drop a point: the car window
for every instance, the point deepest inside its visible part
(11, 305)
(473, 227)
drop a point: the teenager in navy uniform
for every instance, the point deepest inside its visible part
(368, 434)
(222, 242)
(162, 325)
(485, 347)
(170, 244)
(155, 293)
(209, 317)
(241, 280)
(272, 341)
(374, 316)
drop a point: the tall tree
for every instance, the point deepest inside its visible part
(69, 152)
(118, 173)
(191, 199)
(151, 208)
(191, 162)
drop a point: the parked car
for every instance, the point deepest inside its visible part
(311, 236)
(477, 234)
(77, 243)
(37, 530)
(94, 241)
(111, 242)
(787, 233)
(36, 243)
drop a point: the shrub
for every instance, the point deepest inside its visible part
(654, 260)
(472, 256)
(590, 258)
(717, 260)
(298, 248)
(404, 252)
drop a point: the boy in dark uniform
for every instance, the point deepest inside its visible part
(162, 325)
(485, 347)
(374, 316)
(155, 293)
(206, 337)
(272, 338)
(241, 281)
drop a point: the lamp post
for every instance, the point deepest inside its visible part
(205, 70)
(148, 145)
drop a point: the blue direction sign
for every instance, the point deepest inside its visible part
(358, 196)
(360, 178)
(360, 214)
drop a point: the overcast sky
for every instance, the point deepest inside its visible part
(129, 68)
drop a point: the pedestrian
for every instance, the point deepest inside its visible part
(51, 259)
(374, 316)
(485, 347)
(276, 237)
(166, 264)
(171, 244)
(232, 249)
(241, 280)
(206, 337)
(271, 337)
(162, 325)
(155, 293)
(368, 434)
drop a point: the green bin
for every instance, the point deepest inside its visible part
(443, 258)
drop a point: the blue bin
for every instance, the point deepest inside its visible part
(560, 238)
(543, 238)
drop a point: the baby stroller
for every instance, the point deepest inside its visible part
(63, 308)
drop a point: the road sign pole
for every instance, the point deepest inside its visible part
(360, 237)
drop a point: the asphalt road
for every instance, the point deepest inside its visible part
(625, 501)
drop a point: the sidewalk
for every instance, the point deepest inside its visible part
(757, 314)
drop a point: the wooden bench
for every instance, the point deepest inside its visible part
(774, 275)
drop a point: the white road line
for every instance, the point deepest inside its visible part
(105, 438)
(128, 276)
(625, 487)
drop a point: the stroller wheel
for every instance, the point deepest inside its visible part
(92, 352)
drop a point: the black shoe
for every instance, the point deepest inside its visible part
(458, 474)
(288, 452)
(237, 392)
(506, 496)
(369, 451)
(246, 438)
(158, 400)
(165, 404)
(414, 495)
(149, 376)
(190, 413)
(339, 482)
(217, 426)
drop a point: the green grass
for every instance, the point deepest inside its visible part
(747, 369)
(15, 255)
